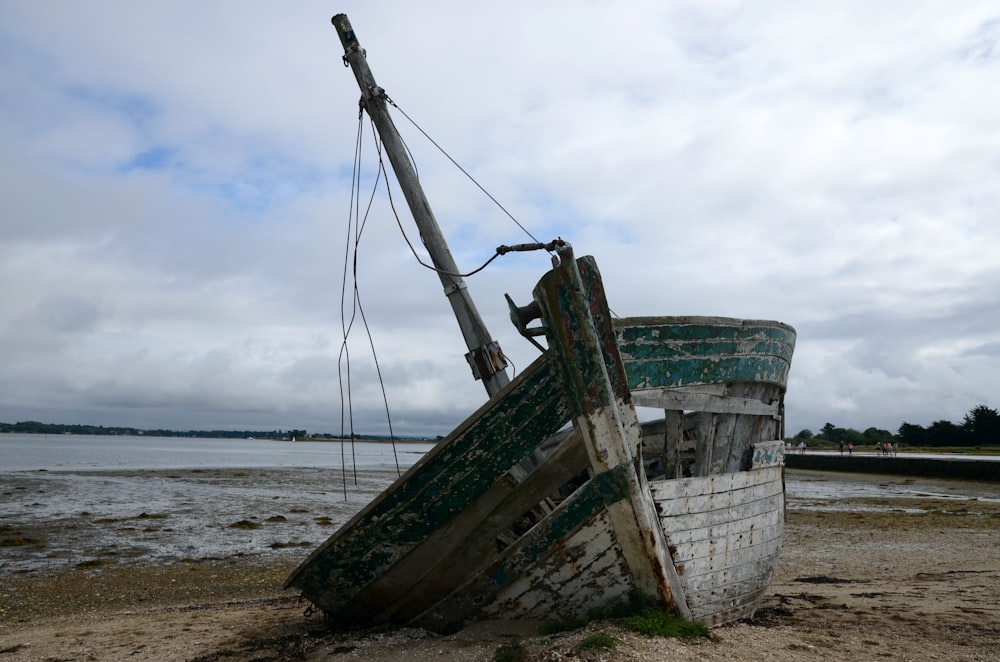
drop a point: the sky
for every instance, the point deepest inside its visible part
(175, 205)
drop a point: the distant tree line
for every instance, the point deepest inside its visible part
(35, 427)
(980, 427)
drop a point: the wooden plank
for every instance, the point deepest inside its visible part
(768, 454)
(730, 586)
(459, 548)
(704, 443)
(651, 374)
(736, 433)
(736, 526)
(444, 483)
(541, 547)
(730, 593)
(578, 329)
(680, 527)
(714, 554)
(674, 444)
(725, 533)
(591, 573)
(735, 581)
(667, 491)
(676, 351)
(679, 400)
(719, 608)
(643, 337)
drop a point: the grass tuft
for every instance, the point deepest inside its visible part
(659, 623)
(598, 640)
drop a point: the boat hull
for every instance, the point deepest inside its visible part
(552, 501)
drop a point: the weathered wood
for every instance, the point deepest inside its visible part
(705, 443)
(728, 527)
(484, 356)
(733, 554)
(468, 542)
(665, 352)
(681, 400)
(544, 559)
(731, 602)
(724, 533)
(579, 332)
(768, 454)
(674, 445)
(679, 497)
(444, 483)
(589, 575)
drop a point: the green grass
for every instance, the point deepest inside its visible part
(659, 623)
(638, 615)
(598, 640)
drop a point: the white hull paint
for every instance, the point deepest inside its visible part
(724, 533)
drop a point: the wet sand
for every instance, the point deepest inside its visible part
(904, 578)
(56, 520)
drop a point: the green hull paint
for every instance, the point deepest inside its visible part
(448, 480)
(667, 352)
(602, 490)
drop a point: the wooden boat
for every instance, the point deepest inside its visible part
(553, 500)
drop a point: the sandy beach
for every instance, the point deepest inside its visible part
(880, 579)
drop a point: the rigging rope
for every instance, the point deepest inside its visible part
(355, 229)
(355, 226)
(463, 170)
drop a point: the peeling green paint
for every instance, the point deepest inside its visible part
(667, 352)
(584, 504)
(449, 479)
(685, 372)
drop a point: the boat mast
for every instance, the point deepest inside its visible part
(485, 356)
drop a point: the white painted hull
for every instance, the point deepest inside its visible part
(724, 534)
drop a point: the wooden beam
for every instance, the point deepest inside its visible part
(669, 399)
(453, 475)
(457, 550)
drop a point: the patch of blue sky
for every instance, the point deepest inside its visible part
(137, 108)
(984, 46)
(551, 216)
(155, 158)
(264, 183)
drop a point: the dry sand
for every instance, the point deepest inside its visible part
(918, 582)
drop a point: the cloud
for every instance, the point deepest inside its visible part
(173, 216)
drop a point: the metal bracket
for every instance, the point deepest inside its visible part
(486, 361)
(522, 316)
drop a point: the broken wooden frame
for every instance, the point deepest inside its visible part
(552, 500)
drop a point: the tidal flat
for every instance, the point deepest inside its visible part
(190, 565)
(55, 520)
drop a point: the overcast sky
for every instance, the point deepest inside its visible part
(174, 205)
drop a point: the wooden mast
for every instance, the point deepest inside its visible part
(485, 356)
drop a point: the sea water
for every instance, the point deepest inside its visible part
(72, 500)
(26, 452)
(78, 500)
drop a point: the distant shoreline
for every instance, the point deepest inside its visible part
(940, 466)
(222, 434)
